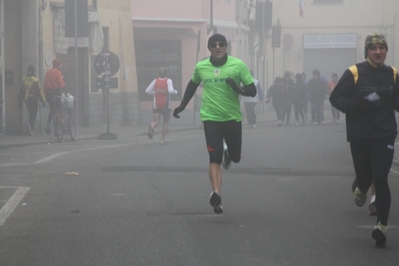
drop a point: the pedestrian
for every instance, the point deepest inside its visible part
(325, 79)
(299, 98)
(367, 93)
(305, 106)
(275, 92)
(331, 85)
(161, 88)
(31, 93)
(53, 83)
(317, 89)
(288, 89)
(252, 102)
(220, 112)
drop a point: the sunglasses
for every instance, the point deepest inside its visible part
(214, 44)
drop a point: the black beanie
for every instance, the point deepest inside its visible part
(216, 38)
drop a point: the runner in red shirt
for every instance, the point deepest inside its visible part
(161, 88)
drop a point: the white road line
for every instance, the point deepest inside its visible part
(53, 156)
(394, 171)
(49, 158)
(12, 203)
(372, 226)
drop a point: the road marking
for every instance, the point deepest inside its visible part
(12, 203)
(394, 171)
(372, 226)
(53, 156)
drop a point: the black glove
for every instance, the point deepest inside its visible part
(232, 84)
(177, 111)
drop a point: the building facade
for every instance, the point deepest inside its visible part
(33, 32)
(324, 34)
(329, 34)
(174, 34)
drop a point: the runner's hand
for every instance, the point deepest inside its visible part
(177, 111)
(232, 84)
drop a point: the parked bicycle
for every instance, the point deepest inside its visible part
(64, 122)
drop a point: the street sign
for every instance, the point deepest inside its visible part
(288, 41)
(106, 63)
(107, 82)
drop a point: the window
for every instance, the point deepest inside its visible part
(153, 54)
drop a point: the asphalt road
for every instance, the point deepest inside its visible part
(137, 202)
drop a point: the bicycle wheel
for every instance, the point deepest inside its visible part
(59, 126)
(72, 127)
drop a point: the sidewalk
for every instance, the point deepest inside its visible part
(86, 133)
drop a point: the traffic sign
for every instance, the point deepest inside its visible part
(106, 63)
(288, 41)
(107, 82)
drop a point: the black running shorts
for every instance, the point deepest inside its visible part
(215, 132)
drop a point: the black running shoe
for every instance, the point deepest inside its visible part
(379, 234)
(150, 132)
(216, 202)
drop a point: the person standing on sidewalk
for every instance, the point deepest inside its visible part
(53, 83)
(331, 85)
(221, 75)
(275, 92)
(368, 93)
(288, 88)
(299, 98)
(31, 92)
(317, 89)
(161, 88)
(251, 103)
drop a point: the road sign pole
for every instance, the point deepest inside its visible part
(107, 86)
(106, 79)
(106, 64)
(76, 69)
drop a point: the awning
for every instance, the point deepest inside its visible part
(93, 15)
